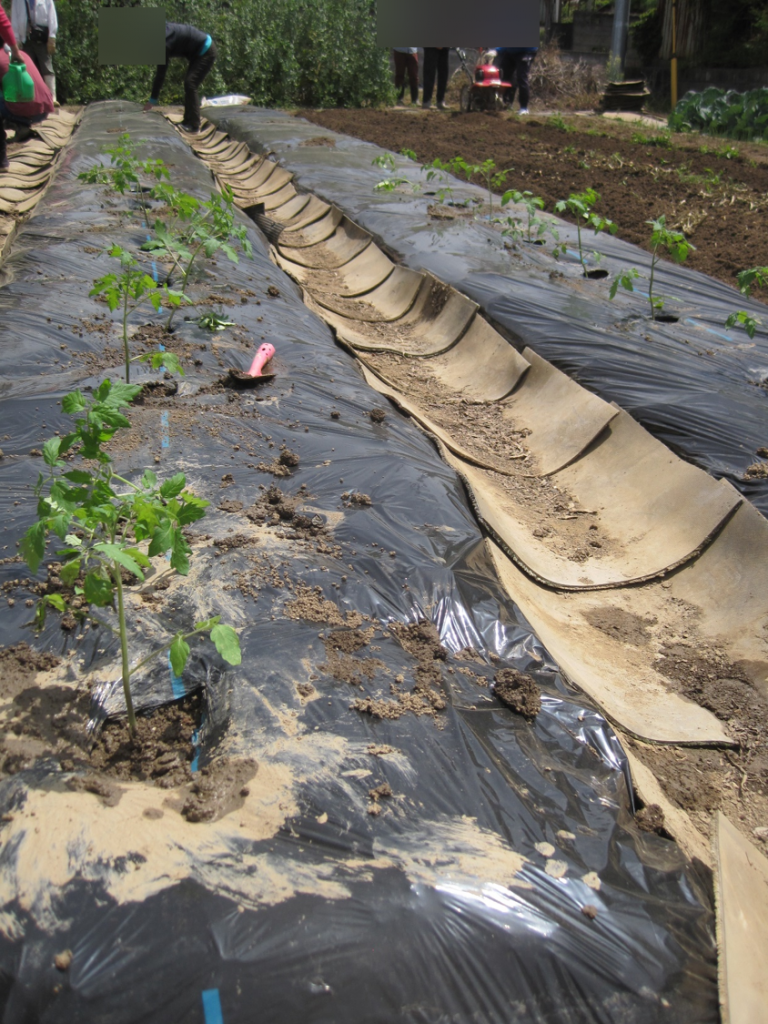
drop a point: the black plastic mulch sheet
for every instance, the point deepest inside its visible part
(701, 389)
(339, 915)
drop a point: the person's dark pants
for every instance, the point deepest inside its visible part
(406, 62)
(435, 63)
(515, 68)
(198, 69)
(14, 120)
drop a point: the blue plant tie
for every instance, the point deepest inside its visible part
(212, 1007)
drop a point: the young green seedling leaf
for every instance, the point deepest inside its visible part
(179, 654)
(227, 644)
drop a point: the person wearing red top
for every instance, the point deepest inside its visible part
(7, 37)
(20, 115)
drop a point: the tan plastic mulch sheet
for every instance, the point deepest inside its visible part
(563, 418)
(618, 676)
(638, 547)
(388, 301)
(31, 166)
(361, 274)
(433, 324)
(346, 242)
(741, 889)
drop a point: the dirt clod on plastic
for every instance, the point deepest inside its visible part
(218, 788)
(650, 818)
(518, 691)
(62, 961)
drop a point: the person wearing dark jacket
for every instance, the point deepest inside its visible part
(198, 48)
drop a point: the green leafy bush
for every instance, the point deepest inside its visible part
(740, 115)
(278, 52)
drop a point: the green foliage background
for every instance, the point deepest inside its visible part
(279, 52)
(739, 115)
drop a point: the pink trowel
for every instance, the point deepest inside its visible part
(262, 357)
(254, 375)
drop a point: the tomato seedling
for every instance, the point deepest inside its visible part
(581, 207)
(747, 279)
(109, 525)
(199, 227)
(624, 279)
(535, 226)
(675, 244)
(131, 289)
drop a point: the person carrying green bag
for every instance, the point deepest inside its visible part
(9, 39)
(18, 108)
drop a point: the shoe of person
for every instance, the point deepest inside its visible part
(192, 129)
(23, 132)
(399, 103)
(523, 110)
(426, 106)
(442, 106)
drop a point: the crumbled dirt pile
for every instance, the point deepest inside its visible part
(708, 677)
(44, 716)
(276, 507)
(282, 465)
(518, 691)
(621, 625)
(218, 788)
(340, 646)
(21, 660)
(310, 604)
(40, 716)
(354, 499)
(376, 795)
(650, 818)
(422, 642)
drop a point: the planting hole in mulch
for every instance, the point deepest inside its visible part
(45, 713)
(240, 380)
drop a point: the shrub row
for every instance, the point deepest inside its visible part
(279, 52)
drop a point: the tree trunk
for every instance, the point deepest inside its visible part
(689, 28)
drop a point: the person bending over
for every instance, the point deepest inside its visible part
(199, 49)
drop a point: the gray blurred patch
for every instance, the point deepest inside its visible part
(132, 35)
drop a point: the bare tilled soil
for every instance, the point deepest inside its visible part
(720, 201)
